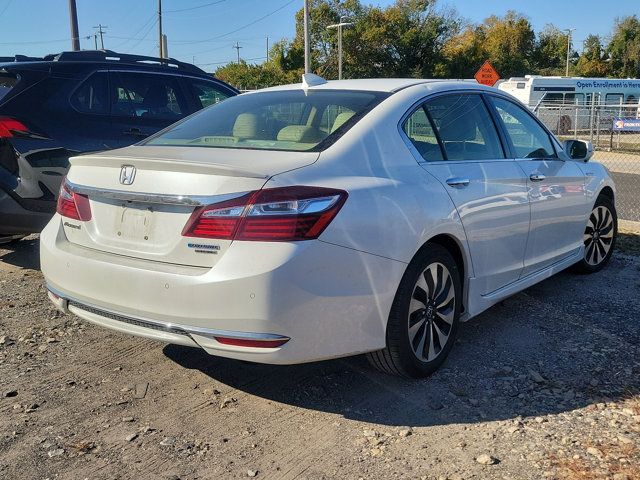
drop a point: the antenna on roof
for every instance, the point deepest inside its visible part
(311, 80)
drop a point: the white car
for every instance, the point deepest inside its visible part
(325, 219)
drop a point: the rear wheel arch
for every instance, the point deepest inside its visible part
(607, 191)
(455, 249)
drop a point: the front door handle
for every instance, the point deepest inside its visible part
(537, 177)
(458, 182)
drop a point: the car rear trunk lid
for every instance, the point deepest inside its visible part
(145, 218)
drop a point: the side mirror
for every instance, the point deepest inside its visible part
(578, 149)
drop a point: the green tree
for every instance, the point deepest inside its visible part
(624, 47)
(510, 43)
(550, 55)
(245, 76)
(592, 62)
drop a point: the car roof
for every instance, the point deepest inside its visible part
(374, 84)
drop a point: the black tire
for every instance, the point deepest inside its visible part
(399, 357)
(599, 237)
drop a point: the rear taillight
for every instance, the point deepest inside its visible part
(9, 125)
(274, 214)
(73, 205)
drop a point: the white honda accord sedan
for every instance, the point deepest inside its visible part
(325, 219)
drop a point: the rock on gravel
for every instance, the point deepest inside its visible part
(485, 459)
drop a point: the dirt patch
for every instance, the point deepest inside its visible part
(628, 240)
(534, 388)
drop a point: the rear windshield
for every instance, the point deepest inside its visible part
(7, 82)
(279, 120)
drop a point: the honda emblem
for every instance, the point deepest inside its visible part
(127, 174)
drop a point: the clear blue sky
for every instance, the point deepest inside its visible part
(206, 30)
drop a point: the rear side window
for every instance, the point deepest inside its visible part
(92, 96)
(206, 93)
(465, 127)
(419, 130)
(146, 96)
(273, 120)
(528, 138)
(7, 82)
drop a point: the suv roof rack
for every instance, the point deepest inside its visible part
(106, 56)
(111, 56)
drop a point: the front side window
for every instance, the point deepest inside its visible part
(528, 138)
(465, 127)
(92, 95)
(273, 120)
(7, 82)
(206, 93)
(419, 130)
(146, 96)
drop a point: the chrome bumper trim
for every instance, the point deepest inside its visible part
(152, 198)
(167, 327)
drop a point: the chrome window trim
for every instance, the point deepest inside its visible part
(419, 158)
(152, 198)
(168, 326)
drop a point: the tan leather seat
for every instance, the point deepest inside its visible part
(340, 120)
(248, 127)
(300, 134)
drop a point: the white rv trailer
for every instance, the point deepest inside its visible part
(571, 103)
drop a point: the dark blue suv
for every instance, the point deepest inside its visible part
(58, 106)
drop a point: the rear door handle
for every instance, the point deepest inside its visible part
(458, 182)
(537, 177)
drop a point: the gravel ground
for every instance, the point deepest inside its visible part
(544, 385)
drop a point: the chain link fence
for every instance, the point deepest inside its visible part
(614, 131)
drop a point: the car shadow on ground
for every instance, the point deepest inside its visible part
(546, 350)
(21, 253)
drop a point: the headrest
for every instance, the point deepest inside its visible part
(247, 126)
(457, 127)
(300, 134)
(340, 120)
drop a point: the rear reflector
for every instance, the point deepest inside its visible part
(9, 125)
(274, 214)
(73, 205)
(240, 342)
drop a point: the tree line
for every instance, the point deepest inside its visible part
(419, 38)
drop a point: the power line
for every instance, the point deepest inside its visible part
(6, 7)
(194, 8)
(144, 36)
(189, 42)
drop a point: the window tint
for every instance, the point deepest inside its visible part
(146, 96)
(418, 129)
(92, 95)
(273, 120)
(207, 93)
(465, 127)
(553, 99)
(7, 82)
(528, 138)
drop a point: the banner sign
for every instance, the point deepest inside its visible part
(626, 124)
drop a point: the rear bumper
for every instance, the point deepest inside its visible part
(16, 220)
(330, 301)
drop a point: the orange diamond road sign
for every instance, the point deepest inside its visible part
(487, 75)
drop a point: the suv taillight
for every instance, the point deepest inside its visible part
(73, 205)
(9, 125)
(275, 214)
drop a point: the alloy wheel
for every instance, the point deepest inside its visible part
(598, 236)
(431, 312)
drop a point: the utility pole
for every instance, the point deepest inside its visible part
(339, 27)
(267, 48)
(237, 47)
(568, 30)
(160, 49)
(95, 40)
(307, 47)
(73, 18)
(100, 32)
